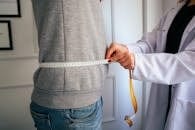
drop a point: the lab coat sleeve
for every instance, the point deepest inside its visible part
(166, 68)
(146, 45)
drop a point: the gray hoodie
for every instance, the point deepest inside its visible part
(69, 31)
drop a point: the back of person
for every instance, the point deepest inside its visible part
(69, 31)
(69, 98)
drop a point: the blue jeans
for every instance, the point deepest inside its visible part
(85, 118)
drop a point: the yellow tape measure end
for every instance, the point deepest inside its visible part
(128, 121)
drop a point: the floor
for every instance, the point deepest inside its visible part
(115, 125)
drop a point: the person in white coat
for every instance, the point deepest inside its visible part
(165, 57)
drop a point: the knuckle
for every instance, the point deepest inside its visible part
(113, 44)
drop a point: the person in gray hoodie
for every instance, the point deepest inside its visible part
(69, 98)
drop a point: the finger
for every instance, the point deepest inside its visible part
(132, 58)
(129, 63)
(125, 64)
(119, 57)
(123, 60)
(127, 67)
(110, 51)
(114, 58)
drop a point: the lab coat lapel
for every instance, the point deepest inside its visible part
(188, 29)
(169, 19)
(171, 15)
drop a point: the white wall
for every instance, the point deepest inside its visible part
(14, 108)
(153, 10)
(17, 66)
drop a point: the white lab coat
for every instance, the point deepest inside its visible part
(162, 69)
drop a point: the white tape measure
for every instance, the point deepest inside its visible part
(72, 64)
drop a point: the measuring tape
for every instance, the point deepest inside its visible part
(128, 119)
(72, 64)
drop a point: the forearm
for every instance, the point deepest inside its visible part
(164, 68)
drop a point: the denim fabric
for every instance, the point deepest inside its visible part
(85, 118)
